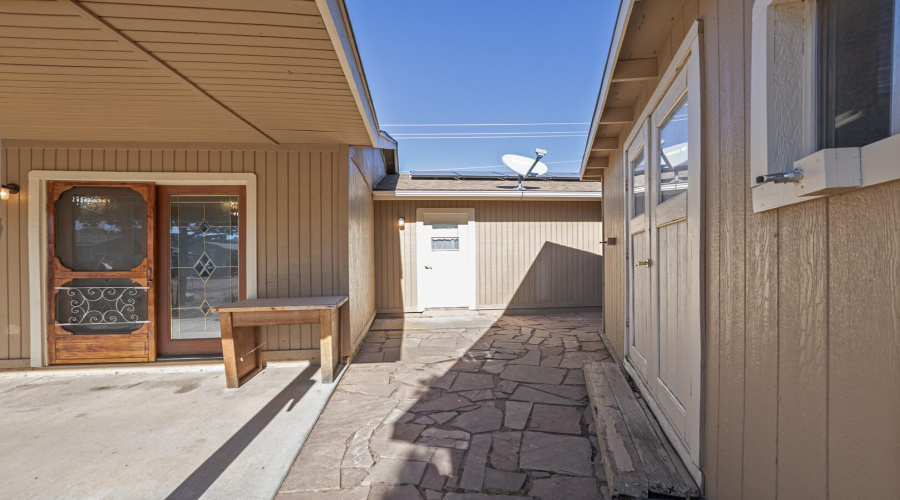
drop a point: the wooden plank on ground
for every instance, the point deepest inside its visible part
(638, 460)
(624, 473)
(663, 476)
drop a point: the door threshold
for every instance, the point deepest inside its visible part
(181, 358)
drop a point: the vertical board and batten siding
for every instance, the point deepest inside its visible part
(802, 344)
(366, 169)
(529, 254)
(301, 224)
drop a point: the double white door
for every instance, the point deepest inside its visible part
(664, 260)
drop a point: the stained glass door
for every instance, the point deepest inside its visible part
(201, 264)
(101, 271)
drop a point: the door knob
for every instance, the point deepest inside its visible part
(642, 263)
(427, 267)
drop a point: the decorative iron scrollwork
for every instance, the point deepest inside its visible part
(102, 305)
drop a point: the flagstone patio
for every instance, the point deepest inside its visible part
(432, 411)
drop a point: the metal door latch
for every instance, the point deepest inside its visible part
(427, 267)
(795, 175)
(642, 263)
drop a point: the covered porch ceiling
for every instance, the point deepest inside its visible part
(217, 71)
(633, 68)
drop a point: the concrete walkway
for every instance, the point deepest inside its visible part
(150, 432)
(459, 408)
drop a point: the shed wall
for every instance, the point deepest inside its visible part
(301, 225)
(529, 254)
(802, 341)
(366, 169)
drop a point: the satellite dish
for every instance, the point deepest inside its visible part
(524, 166)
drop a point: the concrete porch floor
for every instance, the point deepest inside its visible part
(146, 432)
(460, 408)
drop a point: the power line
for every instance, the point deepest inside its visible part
(481, 124)
(501, 166)
(491, 133)
(491, 137)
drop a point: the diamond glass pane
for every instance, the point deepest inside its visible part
(205, 256)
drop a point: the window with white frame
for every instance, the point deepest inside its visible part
(825, 110)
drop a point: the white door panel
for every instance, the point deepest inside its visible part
(664, 263)
(445, 258)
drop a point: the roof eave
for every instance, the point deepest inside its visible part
(337, 23)
(615, 46)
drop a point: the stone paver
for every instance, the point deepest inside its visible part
(459, 410)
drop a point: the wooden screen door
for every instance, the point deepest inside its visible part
(664, 266)
(101, 272)
(201, 260)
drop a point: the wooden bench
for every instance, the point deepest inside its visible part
(241, 343)
(638, 460)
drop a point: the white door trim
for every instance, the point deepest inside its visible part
(37, 232)
(686, 63)
(422, 242)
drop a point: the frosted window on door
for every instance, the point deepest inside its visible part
(204, 250)
(639, 190)
(673, 149)
(444, 244)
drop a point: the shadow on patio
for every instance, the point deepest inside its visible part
(454, 405)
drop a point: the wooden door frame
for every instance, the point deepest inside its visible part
(38, 324)
(58, 273)
(687, 57)
(164, 345)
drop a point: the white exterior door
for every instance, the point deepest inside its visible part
(665, 256)
(445, 260)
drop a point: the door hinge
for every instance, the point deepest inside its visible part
(626, 185)
(627, 322)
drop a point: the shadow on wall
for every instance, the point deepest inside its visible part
(551, 282)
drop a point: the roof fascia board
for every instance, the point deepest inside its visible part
(615, 47)
(486, 195)
(337, 23)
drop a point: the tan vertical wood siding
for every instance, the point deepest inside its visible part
(361, 230)
(301, 223)
(802, 344)
(528, 253)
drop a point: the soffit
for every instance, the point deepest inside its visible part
(168, 70)
(647, 28)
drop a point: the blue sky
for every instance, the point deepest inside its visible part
(484, 62)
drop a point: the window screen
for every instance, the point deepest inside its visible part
(856, 67)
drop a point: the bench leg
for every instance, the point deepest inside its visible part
(229, 352)
(329, 343)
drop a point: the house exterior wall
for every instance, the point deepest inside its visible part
(802, 330)
(301, 226)
(366, 169)
(529, 254)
